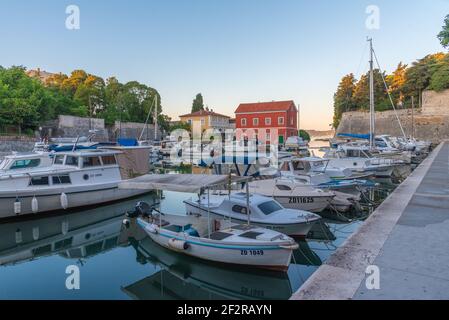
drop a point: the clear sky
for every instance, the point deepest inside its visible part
(231, 51)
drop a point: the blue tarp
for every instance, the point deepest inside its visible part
(354, 135)
(127, 142)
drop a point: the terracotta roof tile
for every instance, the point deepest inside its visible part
(203, 113)
(264, 106)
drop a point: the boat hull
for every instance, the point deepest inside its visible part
(311, 204)
(51, 200)
(261, 256)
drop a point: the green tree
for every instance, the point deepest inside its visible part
(439, 80)
(343, 98)
(198, 103)
(417, 77)
(304, 135)
(443, 36)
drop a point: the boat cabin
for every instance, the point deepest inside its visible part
(25, 161)
(304, 165)
(90, 159)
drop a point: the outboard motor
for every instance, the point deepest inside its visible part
(142, 208)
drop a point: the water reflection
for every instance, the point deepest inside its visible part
(79, 235)
(183, 277)
(125, 264)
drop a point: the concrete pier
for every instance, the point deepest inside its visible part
(407, 238)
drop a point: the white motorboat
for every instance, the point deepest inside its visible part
(264, 212)
(74, 179)
(223, 242)
(296, 168)
(359, 159)
(293, 194)
(297, 145)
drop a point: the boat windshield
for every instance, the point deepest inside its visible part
(269, 207)
(4, 164)
(25, 163)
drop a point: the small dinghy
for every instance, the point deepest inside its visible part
(220, 241)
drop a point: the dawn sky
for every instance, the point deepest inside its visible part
(231, 51)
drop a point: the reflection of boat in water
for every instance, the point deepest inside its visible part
(305, 255)
(79, 235)
(321, 232)
(184, 277)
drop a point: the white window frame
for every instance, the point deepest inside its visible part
(255, 121)
(268, 121)
(243, 122)
(283, 121)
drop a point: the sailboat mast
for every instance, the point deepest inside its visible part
(155, 118)
(372, 124)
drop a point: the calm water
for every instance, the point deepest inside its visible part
(120, 263)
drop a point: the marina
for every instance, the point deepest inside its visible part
(250, 151)
(97, 241)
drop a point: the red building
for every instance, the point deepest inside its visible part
(259, 118)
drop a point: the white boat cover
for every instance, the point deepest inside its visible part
(190, 183)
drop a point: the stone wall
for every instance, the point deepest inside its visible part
(435, 103)
(430, 123)
(70, 126)
(133, 130)
(16, 143)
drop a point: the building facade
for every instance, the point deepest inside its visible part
(271, 122)
(207, 119)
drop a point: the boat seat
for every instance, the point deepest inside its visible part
(250, 235)
(220, 235)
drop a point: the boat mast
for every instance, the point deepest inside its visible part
(372, 123)
(155, 118)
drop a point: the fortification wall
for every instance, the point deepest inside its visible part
(430, 123)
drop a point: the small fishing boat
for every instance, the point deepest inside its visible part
(218, 240)
(293, 168)
(293, 194)
(360, 160)
(264, 212)
(223, 241)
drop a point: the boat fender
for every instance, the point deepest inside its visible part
(36, 233)
(178, 245)
(34, 205)
(18, 236)
(64, 201)
(65, 227)
(126, 223)
(17, 206)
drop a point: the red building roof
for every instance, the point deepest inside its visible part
(204, 113)
(265, 106)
